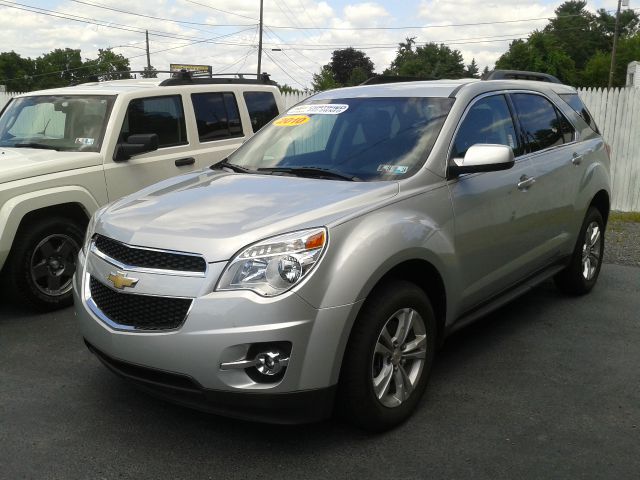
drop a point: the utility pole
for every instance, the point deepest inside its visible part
(260, 40)
(148, 55)
(615, 44)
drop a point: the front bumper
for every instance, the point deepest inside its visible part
(219, 328)
(283, 408)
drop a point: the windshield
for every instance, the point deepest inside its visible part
(365, 139)
(56, 122)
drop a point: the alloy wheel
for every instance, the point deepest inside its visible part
(399, 357)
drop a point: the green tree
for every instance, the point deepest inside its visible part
(431, 61)
(324, 80)
(58, 68)
(108, 66)
(576, 32)
(471, 70)
(149, 72)
(596, 72)
(539, 53)
(350, 66)
(16, 72)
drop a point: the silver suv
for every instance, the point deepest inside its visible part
(329, 256)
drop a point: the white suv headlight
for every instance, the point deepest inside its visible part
(275, 265)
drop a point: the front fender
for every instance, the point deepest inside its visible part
(364, 249)
(15, 209)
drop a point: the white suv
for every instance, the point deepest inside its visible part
(66, 152)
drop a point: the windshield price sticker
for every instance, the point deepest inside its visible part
(393, 169)
(322, 109)
(84, 141)
(291, 121)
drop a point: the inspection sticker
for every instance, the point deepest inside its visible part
(84, 141)
(291, 121)
(393, 169)
(323, 109)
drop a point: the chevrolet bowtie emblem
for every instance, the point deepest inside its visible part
(120, 280)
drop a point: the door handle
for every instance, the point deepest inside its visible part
(183, 162)
(577, 159)
(525, 182)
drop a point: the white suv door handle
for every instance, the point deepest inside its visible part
(525, 182)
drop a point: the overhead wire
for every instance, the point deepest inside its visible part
(282, 69)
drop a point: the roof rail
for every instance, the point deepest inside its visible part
(184, 77)
(380, 79)
(519, 75)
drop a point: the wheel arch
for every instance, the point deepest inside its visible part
(75, 203)
(602, 202)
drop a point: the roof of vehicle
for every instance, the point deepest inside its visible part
(115, 87)
(440, 88)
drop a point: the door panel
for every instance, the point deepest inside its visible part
(493, 221)
(550, 139)
(493, 212)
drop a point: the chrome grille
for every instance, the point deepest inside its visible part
(151, 259)
(140, 312)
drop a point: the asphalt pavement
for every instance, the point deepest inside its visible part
(547, 387)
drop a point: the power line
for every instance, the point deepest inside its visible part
(92, 21)
(223, 11)
(415, 27)
(283, 70)
(91, 63)
(164, 19)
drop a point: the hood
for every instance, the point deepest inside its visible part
(217, 213)
(20, 163)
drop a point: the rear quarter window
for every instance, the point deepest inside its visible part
(262, 108)
(574, 101)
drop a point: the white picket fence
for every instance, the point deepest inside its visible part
(617, 113)
(5, 97)
(290, 99)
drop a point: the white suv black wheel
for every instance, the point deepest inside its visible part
(42, 262)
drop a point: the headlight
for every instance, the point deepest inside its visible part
(275, 265)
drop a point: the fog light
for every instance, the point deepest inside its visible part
(270, 363)
(264, 362)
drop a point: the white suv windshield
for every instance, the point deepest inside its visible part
(56, 122)
(359, 138)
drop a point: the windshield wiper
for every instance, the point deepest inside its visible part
(312, 172)
(35, 145)
(231, 166)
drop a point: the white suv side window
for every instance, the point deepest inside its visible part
(163, 116)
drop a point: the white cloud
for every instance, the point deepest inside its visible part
(304, 51)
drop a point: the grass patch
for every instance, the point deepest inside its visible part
(625, 217)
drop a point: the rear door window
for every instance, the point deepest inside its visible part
(163, 116)
(262, 108)
(487, 121)
(217, 116)
(574, 101)
(543, 126)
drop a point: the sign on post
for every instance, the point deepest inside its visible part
(198, 69)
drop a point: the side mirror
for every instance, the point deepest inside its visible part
(135, 145)
(483, 158)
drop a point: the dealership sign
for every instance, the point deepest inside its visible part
(203, 69)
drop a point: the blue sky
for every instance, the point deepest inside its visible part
(302, 51)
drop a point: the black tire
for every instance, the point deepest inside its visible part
(358, 401)
(576, 278)
(36, 286)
